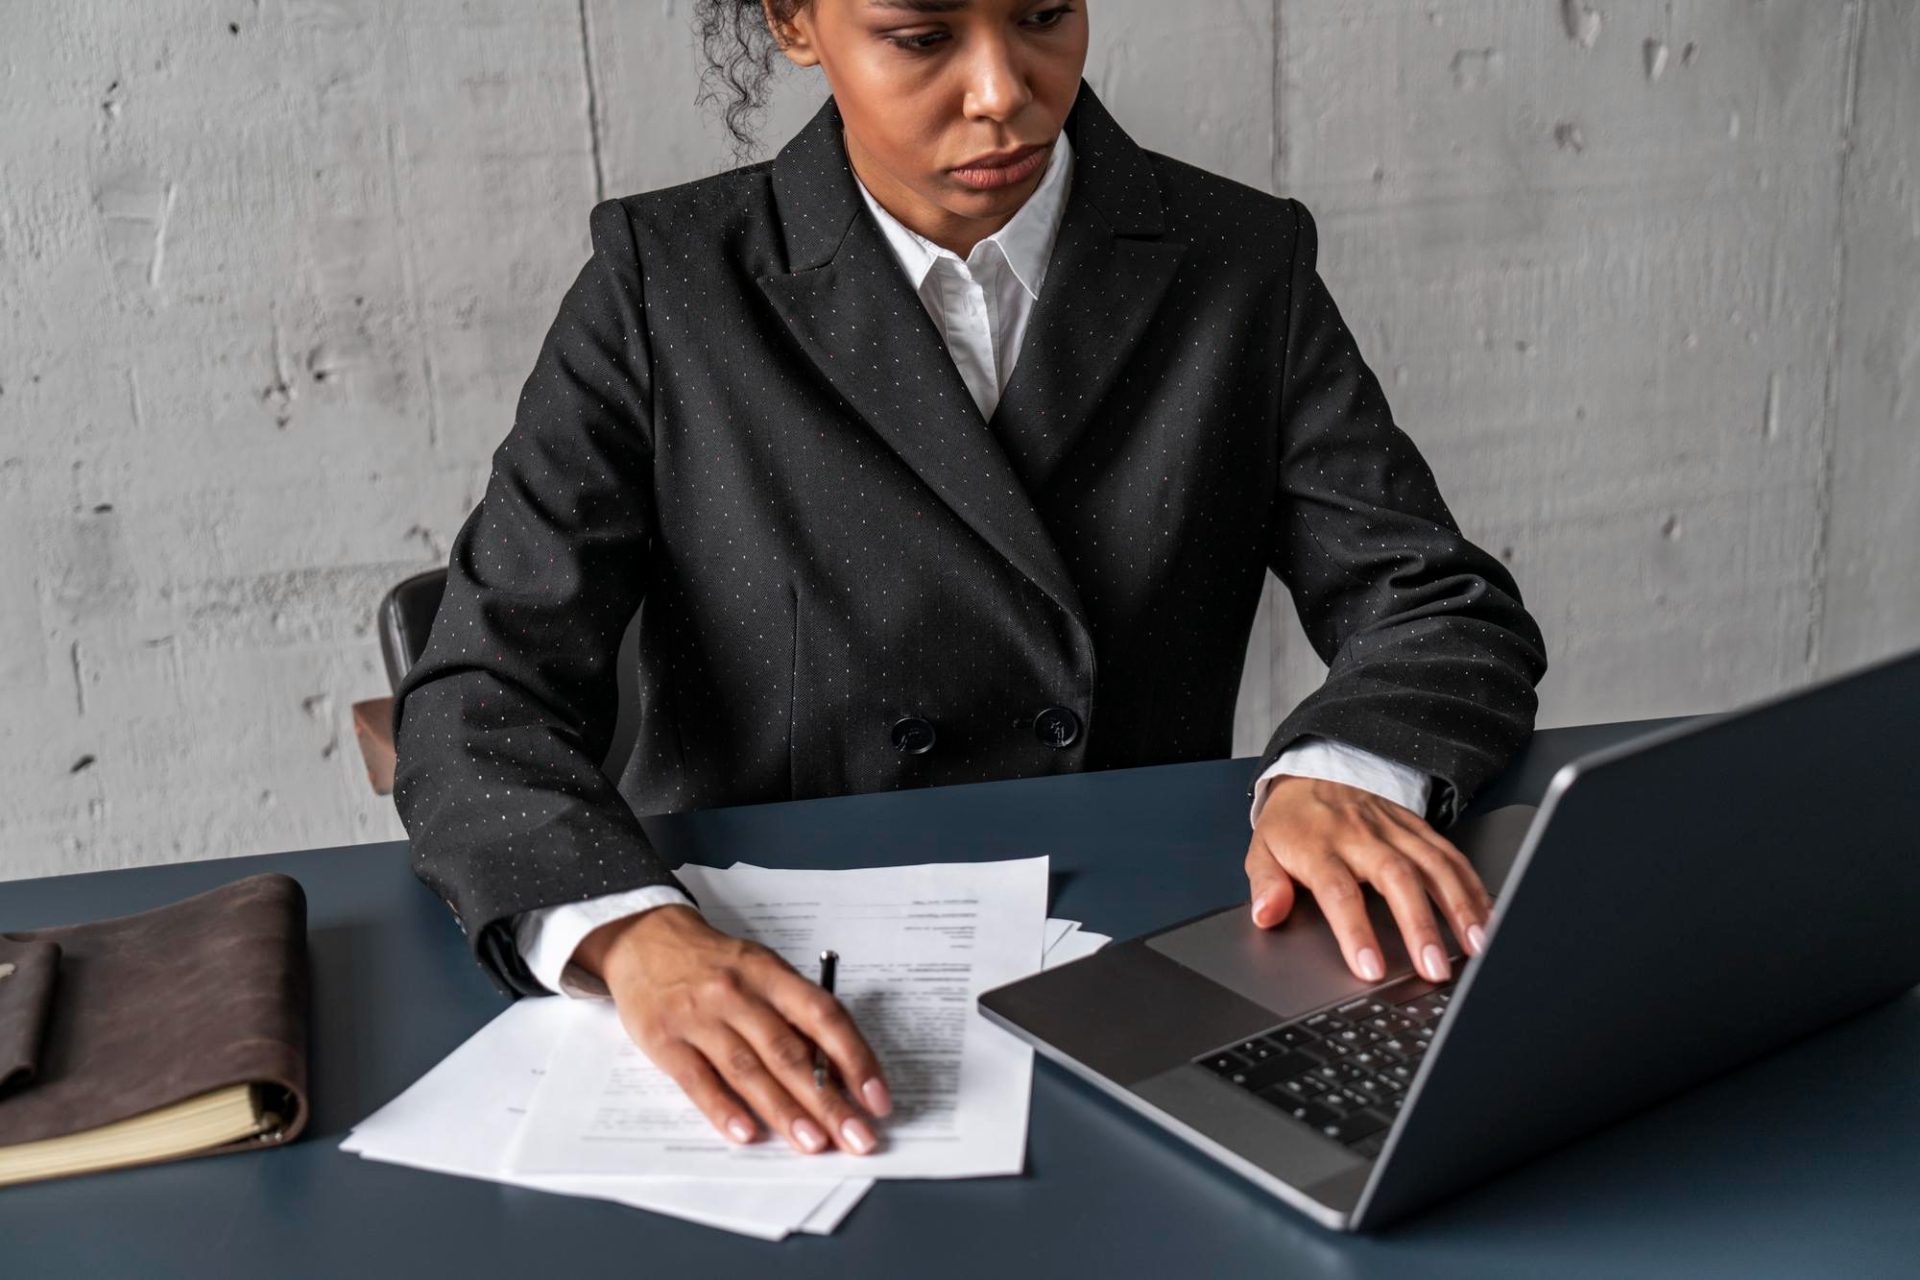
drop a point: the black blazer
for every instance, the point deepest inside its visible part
(744, 417)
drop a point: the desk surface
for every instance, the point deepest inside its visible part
(1805, 1163)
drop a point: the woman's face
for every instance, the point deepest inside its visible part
(926, 85)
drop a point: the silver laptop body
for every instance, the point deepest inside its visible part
(1718, 888)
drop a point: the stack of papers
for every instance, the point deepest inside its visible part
(553, 1094)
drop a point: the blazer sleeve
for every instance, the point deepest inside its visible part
(501, 724)
(1432, 658)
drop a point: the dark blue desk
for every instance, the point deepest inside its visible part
(1804, 1164)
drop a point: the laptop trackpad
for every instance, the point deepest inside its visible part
(1296, 966)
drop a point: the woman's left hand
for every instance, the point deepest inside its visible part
(1332, 838)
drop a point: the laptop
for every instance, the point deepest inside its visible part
(1675, 906)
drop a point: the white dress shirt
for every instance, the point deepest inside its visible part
(981, 304)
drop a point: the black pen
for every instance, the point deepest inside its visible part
(822, 1070)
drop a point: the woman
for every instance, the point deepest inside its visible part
(781, 405)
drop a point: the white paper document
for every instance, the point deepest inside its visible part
(461, 1117)
(916, 944)
(1075, 945)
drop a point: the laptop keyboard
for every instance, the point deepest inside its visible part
(1343, 1070)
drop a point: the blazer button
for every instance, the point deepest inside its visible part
(1057, 726)
(913, 734)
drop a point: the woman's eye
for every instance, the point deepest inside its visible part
(913, 43)
(925, 41)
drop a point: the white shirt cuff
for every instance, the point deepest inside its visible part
(548, 936)
(1339, 762)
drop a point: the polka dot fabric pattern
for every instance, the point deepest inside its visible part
(744, 424)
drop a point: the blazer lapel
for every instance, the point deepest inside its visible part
(1102, 287)
(849, 306)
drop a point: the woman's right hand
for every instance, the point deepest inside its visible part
(730, 1020)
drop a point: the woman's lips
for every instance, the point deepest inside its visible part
(986, 178)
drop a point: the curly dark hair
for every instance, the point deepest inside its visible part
(740, 50)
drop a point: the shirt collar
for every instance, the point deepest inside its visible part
(1025, 242)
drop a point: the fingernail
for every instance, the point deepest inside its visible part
(1370, 967)
(1258, 903)
(808, 1135)
(1476, 938)
(1435, 961)
(877, 1098)
(856, 1135)
(740, 1129)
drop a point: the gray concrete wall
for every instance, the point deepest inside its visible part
(1639, 277)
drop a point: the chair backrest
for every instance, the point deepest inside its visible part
(405, 618)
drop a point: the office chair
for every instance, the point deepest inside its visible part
(404, 619)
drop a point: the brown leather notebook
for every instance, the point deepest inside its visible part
(173, 1032)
